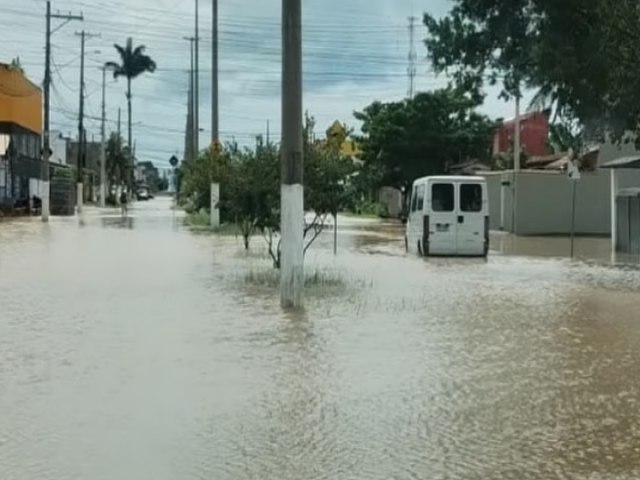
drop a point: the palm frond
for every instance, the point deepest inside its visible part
(121, 51)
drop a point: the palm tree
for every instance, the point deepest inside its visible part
(133, 63)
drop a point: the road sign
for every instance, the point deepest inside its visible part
(573, 172)
(217, 147)
(173, 161)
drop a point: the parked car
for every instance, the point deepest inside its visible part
(143, 194)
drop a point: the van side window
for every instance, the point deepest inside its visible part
(442, 197)
(414, 199)
(471, 197)
(420, 205)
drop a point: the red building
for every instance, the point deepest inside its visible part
(534, 134)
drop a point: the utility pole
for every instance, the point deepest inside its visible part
(516, 163)
(103, 156)
(80, 189)
(268, 134)
(292, 190)
(46, 150)
(191, 134)
(413, 58)
(196, 89)
(215, 116)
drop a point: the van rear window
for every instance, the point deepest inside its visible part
(471, 197)
(442, 197)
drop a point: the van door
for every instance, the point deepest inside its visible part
(471, 219)
(442, 219)
(415, 222)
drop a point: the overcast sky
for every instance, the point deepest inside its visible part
(355, 52)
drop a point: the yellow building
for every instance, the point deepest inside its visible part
(20, 101)
(20, 136)
(337, 134)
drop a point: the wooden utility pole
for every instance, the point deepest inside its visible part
(46, 150)
(292, 190)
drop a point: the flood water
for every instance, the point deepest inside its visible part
(136, 349)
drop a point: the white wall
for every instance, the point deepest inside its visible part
(59, 148)
(544, 202)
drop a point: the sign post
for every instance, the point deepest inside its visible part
(573, 174)
(173, 161)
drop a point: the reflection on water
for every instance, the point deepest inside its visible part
(129, 350)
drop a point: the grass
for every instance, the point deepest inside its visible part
(200, 222)
(318, 281)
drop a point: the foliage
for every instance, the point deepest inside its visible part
(153, 180)
(250, 188)
(133, 63)
(116, 160)
(581, 56)
(409, 139)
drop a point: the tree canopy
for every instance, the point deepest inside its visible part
(580, 55)
(412, 138)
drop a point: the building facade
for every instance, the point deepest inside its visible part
(534, 135)
(20, 137)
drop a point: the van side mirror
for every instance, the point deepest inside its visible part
(403, 219)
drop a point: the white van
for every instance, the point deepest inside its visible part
(449, 216)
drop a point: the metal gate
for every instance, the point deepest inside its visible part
(63, 192)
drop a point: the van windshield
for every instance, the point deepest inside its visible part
(442, 197)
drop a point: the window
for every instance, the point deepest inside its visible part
(442, 197)
(471, 197)
(420, 206)
(414, 199)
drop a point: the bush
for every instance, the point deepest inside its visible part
(371, 209)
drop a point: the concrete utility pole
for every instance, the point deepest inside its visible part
(196, 87)
(80, 186)
(516, 163)
(190, 154)
(215, 114)
(46, 150)
(413, 58)
(103, 156)
(292, 190)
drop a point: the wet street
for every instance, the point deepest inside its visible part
(139, 350)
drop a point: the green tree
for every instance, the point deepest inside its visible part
(412, 138)
(133, 63)
(116, 161)
(580, 56)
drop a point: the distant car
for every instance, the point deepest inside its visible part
(143, 194)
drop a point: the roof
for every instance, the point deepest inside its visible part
(623, 162)
(450, 178)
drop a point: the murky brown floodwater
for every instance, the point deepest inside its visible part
(134, 350)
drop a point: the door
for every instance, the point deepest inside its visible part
(415, 221)
(442, 224)
(470, 219)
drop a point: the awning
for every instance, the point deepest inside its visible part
(624, 162)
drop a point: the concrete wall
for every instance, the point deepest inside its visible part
(391, 198)
(544, 202)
